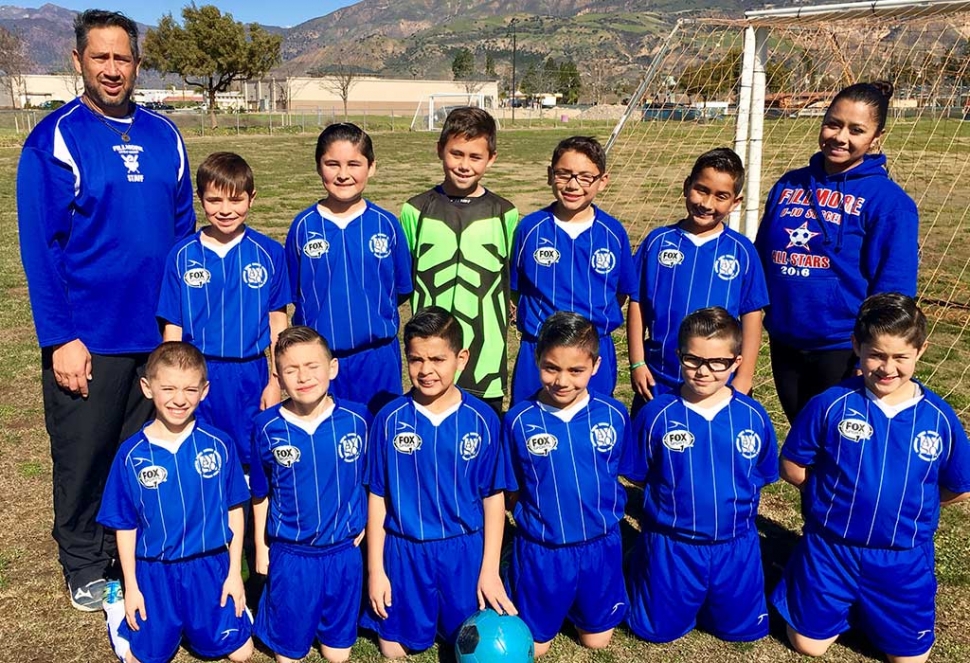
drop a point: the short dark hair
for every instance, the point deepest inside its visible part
(469, 123)
(298, 335)
(176, 354)
(99, 18)
(710, 323)
(890, 314)
(435, 322)
(565, 329)
(226, 171)
(876, 95)
(585, 145)
(344, 131)
(723, 160)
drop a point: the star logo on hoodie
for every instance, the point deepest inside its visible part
(800, 237)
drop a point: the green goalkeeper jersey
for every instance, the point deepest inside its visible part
(460, 251)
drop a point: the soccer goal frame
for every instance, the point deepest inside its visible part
(429, 114)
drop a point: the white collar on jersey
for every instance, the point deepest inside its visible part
(172, 446)
(709, 412)
(309, 426)
(574, 228)
(701, 241)
(436, 417)
(221, 250)
(565, 414)
(892, 410)
(340, 221)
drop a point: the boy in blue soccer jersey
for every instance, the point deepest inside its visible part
(307, 481)
(350, 267)
(692, 264)
(875, 457)
(174, 496)
(571, 256)
(436, 509)
(702, 454)
(563, 448)
(225, 291)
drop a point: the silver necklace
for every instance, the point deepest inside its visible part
(124, 135)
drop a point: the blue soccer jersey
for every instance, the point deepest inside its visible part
(876, 471)
(553, 271)
(703, 469)
(222, 303)
(313, 473)
(565, 465)
(678, 273)
(176, 494)
(347, 279)
(435, 474)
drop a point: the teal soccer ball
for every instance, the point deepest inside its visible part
(488, 637)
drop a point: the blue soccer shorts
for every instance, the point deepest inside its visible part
(311, 592)
(371, 376)
(434, 588)
(182, 600)
(676, 585)
(235, 389)
(891, 593)
(581, 582)
(525, 375)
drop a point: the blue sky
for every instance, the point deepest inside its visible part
(288, 13)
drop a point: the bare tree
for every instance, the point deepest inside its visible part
(13, 65)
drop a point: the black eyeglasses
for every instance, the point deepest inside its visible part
(583, 179)
(714, 364)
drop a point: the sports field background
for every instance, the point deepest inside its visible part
(37, 623)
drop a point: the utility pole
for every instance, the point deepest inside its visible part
(512, 28)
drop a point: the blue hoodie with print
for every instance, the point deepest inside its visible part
(829, 241)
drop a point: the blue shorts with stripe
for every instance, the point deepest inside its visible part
(676, 585)
(311, 593)
(235, 389)
(890, 593)
(182, 601)
(525, 376)
(434, 588)
(581, 582)
(371, 376)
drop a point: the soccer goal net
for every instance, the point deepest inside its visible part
(761, 85)
(433, 109)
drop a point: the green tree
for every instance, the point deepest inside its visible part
(712, 78)
(570, 83)
(463, 65)
(210, 50)
(490, 66)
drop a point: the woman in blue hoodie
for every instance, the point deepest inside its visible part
(833, 234)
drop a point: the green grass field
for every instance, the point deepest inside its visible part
(38, 625)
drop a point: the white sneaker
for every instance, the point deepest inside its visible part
(113, 603)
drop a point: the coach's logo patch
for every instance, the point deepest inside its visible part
(255, 275)
(316, 247)
(208, 462)
(471, 444)
(129, 156)
(542, 444)
(603, 261)
(196, 277)
(748, 443)
(350, 447)
(727, 267)
(670, 257)
(928, 445)
(678, 440)
(152, 475)
(855, 430)
(380, 245)
(546, 255)
(603, 436)
(407, 443)
(286, 455)
(800, 237)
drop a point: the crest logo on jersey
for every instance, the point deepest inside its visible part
(670, 257)
(471, 444)
(380, 245)
(546, 256)
(316, 247)
(196, 277)
(928, 445)
(678, 440)
(350, 447)
(129, 157)
(855, 430)
(208, 462)
(407, 443)
(286, 455)
(727, 267)
(542, 444)
(603, 261)
(152, 476)
(800, 237)
(603, 436)
(255, 275)
(748, 443)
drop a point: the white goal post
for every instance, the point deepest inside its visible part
(433, 109)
